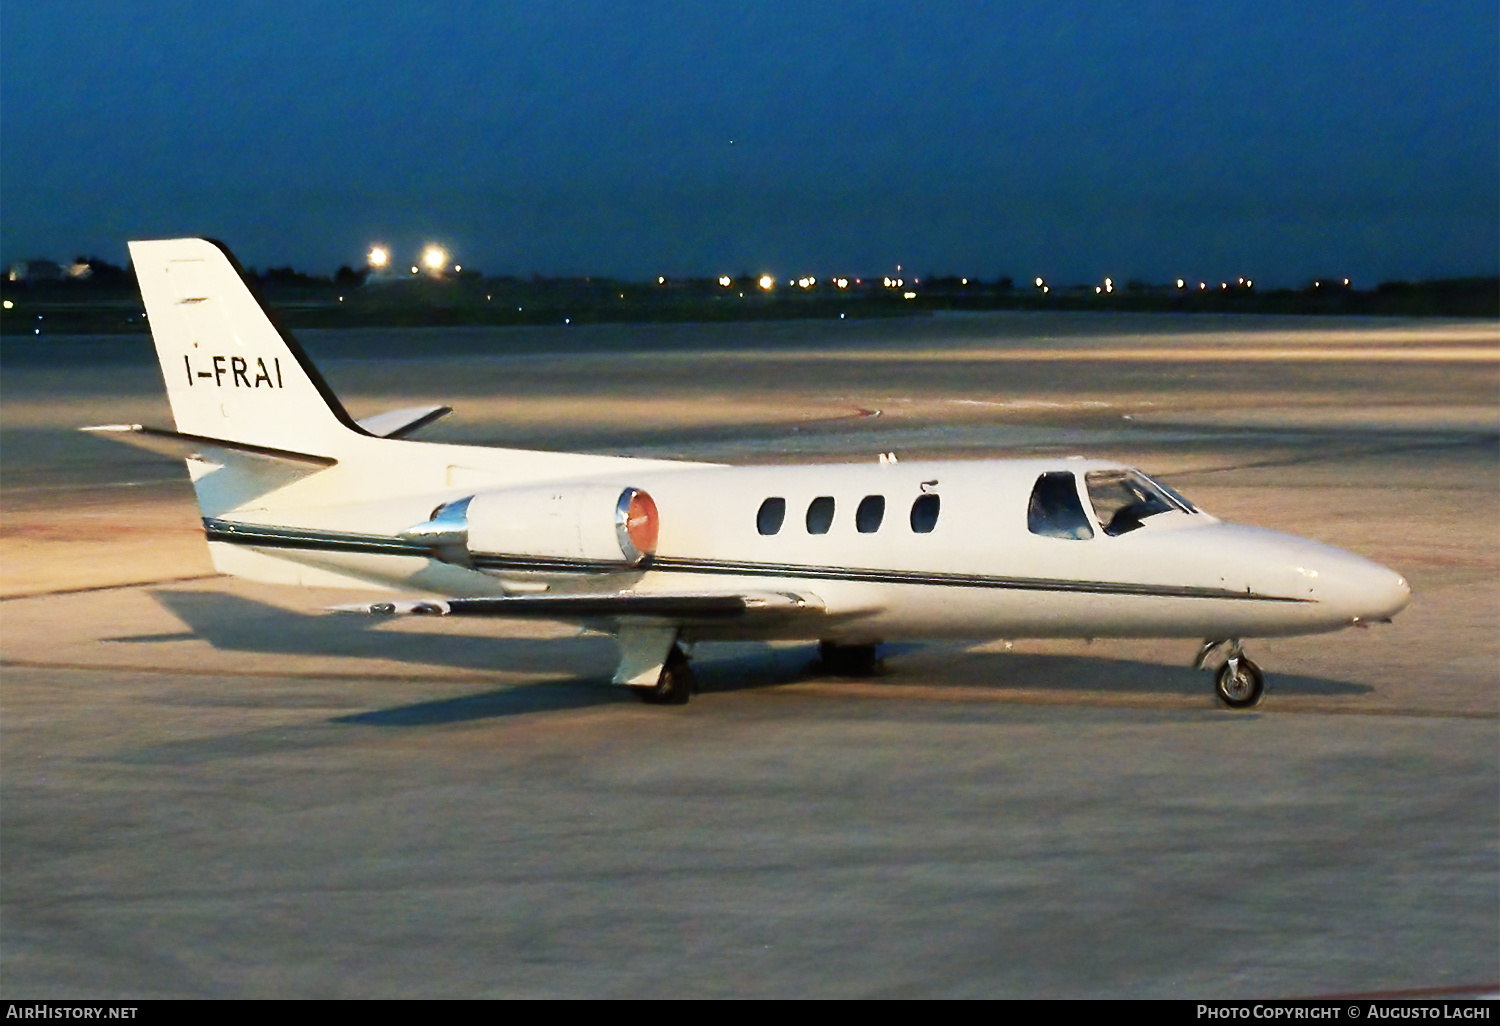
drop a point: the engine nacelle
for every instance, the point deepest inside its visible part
(586, 523)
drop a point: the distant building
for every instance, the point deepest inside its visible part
(35, 270)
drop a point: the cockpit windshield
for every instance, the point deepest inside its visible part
(1123, 499)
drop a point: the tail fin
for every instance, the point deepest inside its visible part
(231, 374)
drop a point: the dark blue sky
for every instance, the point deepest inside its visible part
(1072, 140)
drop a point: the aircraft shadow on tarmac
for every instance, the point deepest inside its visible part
(235, 624)
(232, 623)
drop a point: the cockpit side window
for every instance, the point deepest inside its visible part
(1055, 510)
(1123, 499)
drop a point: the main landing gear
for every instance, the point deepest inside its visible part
(1238, 683)
(848, 660)
(653, 664)
(676, 683)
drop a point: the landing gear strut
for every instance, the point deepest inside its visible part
(847, 660)
(676, 683)
(1238, 683)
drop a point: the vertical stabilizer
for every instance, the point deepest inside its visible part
(230, 373)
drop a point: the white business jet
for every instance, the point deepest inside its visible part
(662, 553)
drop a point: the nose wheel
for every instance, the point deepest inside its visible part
(1238, 683)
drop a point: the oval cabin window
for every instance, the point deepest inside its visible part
(820, 515)
(771, 516)
(924, 513)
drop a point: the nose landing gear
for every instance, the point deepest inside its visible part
(1238, 683)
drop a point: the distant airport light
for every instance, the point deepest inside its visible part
(1346, 281)
(1097, 290)
(1040, 283)
(660, 280)
(1179, 283)
(908, 295)
(9, 304)
(767, 282)
(415, 268)
(842, 283)
(724, 280)
(434, 257)
(1249, 284)
(963, 281)
(379, 257)
(457, 268)
(1203, 284)
(1223, 284)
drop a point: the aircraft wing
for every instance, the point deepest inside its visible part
(678, 608)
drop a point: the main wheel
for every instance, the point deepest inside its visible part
(676, 683)
(847, 660)
(1240, 684)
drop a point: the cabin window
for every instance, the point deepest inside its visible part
(1123, 499)
(820, 515)
(1055, 510)
(870, 513)
(924, 513)
(771, 516)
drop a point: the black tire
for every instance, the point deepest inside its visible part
(1240, 684)
(848, 660)
(676, 683)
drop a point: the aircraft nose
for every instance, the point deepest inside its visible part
(1363, 591)
(1390, 595)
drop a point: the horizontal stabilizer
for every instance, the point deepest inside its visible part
(401, 423)
(209, 450)
(678, 608)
